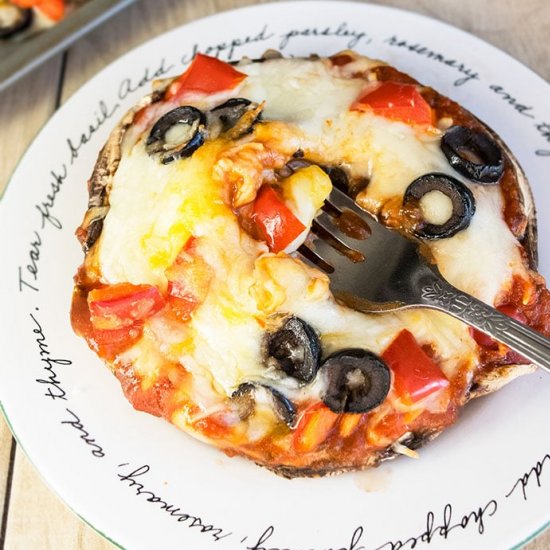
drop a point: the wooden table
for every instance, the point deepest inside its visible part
(32, 517)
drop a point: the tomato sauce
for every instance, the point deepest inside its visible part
(153, 400)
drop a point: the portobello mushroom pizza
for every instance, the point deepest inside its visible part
(191, 291)
(20, 19)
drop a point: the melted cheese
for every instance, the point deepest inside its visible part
(155, 208)
(482, 259)
(436, 207)
(307, 94)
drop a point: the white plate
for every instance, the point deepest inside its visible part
(134, 466)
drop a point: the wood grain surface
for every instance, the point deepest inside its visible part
(32, 517)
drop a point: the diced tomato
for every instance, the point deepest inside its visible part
(188, 281)
(206, 75)
(396, 101)
(121, 305)
(212, 426)
(484, 340)
(117, 335)
(106, 343)
(313, 428)
(276, 222)
(389, 428)
(53, 9)
(349, 423)
(109, 343)
(25, 3)
(415, 374)
(182, 307)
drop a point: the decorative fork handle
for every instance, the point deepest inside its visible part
(440, 295)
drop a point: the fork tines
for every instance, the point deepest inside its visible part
(333, 236)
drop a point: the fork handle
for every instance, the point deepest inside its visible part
(440, 295)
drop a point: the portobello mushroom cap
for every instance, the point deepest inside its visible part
(485, 381)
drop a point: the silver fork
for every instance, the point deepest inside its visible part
(388, 273)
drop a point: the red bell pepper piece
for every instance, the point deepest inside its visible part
(396, 101)
(276, 222)
(121, 305)
(415, 374)
(313, 428)
(206, 75)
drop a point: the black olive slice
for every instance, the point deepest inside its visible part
(295, 349)
(231, 111)
(296, 164)
(352, 186)
(292, 166)
(283, 406)
(246, 395)
(338, 177)
(357, 381)
(238, 114)
(177, 134)
(13, 19)
(473, 154)
(462, 199)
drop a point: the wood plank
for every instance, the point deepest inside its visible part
(24, 108)
(6, 444)
(59, 527)
(37, 518)
(542, 542)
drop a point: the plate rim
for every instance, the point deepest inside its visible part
(356, 4)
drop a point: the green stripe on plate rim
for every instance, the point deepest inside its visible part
(6, 417)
